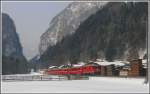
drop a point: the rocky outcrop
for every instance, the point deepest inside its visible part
(13, 60)
(66, 22)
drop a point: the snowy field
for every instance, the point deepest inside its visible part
(93, 85)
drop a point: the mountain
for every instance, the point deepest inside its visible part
(13, 60)
(66, 22)
(116, 32)
(35, 63)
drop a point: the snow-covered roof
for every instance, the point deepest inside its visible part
(144, 61)
(77, 65)
(104, 62)
(64, 66)
(61, 66)
(81, 63)
(52, 67)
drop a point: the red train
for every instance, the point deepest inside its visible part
(86, 69)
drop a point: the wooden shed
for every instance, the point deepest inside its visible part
(110, 70)
(103, 70)
(136, 67)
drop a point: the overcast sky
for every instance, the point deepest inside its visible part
(31, 20)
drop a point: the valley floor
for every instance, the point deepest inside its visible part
(93, 85)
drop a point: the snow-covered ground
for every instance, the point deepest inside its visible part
(93, 85)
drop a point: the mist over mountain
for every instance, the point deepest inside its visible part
(13, 60)
(116, 32)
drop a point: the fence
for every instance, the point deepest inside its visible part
(42, 77)
(32, 78)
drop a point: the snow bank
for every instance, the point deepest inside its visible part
(119, 79)
(94, 85)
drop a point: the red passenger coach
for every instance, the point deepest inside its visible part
(86, 69)
(75, 71)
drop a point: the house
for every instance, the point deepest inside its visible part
(103, 70)
(123, 72)
(136, 67)
(110, 70)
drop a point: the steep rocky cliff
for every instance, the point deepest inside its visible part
(13, 60)
(66, 22)
(117, 31)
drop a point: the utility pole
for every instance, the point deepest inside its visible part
(146, 77)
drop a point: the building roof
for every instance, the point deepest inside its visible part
(104, 62)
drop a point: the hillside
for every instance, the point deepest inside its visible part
(117, 31)
(66, 22)
(13, 60)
